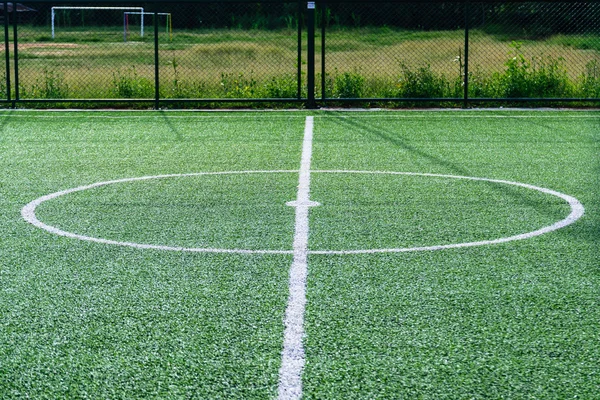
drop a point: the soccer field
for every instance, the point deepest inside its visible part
(313, 254)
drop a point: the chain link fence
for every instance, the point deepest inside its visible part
(534, 50)
(408, 50)
(208, 52)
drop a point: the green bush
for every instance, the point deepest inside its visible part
(239, 86)
(50, 86)
(3, 92)
(589, 83)
(130, 85)
(541, 77)
(280, 88)
(348, 85)
(423, 83)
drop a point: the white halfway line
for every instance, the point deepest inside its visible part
(292, 357)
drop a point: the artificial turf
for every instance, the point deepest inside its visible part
(515, 320)
(89, 320)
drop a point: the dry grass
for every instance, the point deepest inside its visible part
(204, 58)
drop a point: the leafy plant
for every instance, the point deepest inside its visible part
(422, 83)
(349, 85)
(177, 90)
(50, 86)
(515, 82)
(589, 82)
(283, 87)
(131, 85)
(3, 91)
(542, 77)
(238, 86)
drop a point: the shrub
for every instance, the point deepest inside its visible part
(50, 86)
(589, 83)
(3, 91)
(239, 87)
(348, 85)
(130, 85)
(542, 77)
(422, 83)
(282, 87)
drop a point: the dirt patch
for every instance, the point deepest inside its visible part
(42, 46)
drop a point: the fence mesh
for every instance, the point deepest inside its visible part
(210, 50)
(230, 50)
(417, 50)
(393, 50)
(534, 50)
(78, 51)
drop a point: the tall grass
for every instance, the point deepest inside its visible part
(361, 63)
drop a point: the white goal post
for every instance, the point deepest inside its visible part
(139, 9)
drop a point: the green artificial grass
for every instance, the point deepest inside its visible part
(84, 320)
(508, 321)
(90, 320)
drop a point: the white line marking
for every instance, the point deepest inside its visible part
(292, 357)
(152, 116)
(577, 211)
(28, 213)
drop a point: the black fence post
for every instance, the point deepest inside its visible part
(323, 32)
(16, 54)
(299, 62)
(466, 61)
(7, 51)
(156, 66)
(310, 57)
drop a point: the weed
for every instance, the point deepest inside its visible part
(422, 83)
(349, 85)
(3, 91)
(589, 82)
(281, 88)
(327, 90)
(539, 77)
(50, 86)
(239, 86)
(550, 79)
(291, 22)
(131, 85)
(514, 81)
(177, 87)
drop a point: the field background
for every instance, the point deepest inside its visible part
(86, 320)
(361, 62)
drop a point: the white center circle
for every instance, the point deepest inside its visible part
(577, 211)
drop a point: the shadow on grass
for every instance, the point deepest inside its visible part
(447, 166)
(5, 118)
(172, 128)
(593, 207)
(391, 138)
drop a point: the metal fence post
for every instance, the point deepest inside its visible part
(310, 78)
(466, 61)
(7, 52)
(299, 55)
(323, 32)
(16, 54)
(156, 66)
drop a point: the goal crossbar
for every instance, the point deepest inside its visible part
(140, 9)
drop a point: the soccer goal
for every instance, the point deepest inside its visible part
(82, 9)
